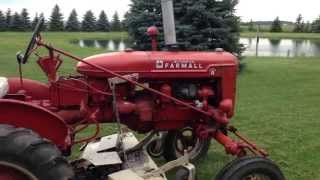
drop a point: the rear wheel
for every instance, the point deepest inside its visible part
(177, 142)
(24, 155)
(250, 168)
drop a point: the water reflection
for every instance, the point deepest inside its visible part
(281, 47)
(110, 45)
(267, 47)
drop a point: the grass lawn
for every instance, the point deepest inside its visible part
(284, 35)
(278, 104)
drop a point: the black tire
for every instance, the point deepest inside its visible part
(241, 168)
(27, 153)
(152, 151)
(170, 150)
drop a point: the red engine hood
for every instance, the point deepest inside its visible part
(158, 64)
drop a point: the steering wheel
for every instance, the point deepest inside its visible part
(24, 58)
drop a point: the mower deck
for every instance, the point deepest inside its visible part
(134, 165)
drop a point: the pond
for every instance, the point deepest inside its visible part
(281, 47)
(267, 47)
(110, 45)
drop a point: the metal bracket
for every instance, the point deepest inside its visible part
(182, 161)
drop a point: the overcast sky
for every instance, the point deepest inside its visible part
(247, 9)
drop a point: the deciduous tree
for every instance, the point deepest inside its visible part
(299, 24)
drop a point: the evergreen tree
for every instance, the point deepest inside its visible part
(276, 25)
(8, 19)
(200, 25)
(103, 22)
(299, 24)
(45, 24)
(316, 26)
(251, 26)
(89, 22)
(34, 21)
(16, 24)
(26, 24)
(3, 23)
(73, 23)
(56, 20)
(116, 23)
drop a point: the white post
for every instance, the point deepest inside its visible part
(168, 22)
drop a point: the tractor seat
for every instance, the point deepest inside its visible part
(4, 87)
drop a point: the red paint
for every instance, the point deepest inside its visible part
(28, 115)
(34, 89)
(144, 104)
(153, 32)
(49, 66)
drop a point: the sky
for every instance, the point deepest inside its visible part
(257, 10)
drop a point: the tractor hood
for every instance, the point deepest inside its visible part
(158, 64)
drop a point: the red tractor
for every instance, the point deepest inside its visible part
(181, 99)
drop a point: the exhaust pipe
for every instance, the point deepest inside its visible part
(168, 22)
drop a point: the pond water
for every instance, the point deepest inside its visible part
(267, 47)
(110, 45)
(281, 47)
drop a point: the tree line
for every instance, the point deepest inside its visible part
(300, 26)
(10, 21)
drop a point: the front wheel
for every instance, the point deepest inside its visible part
(250, 168)
(24, 155)
(179, 141)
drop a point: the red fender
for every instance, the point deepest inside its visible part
(35, 89)
(38, 119)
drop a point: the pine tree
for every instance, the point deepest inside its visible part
(299, 24)
(103, 22)
(116, 23)
(89, 22)
(26, 24)
(8, 19)
(56, 20)
(276, 25)
(3, 23)
(200, 25)
(251, 26)
(45, 24)
(73, 23)
(316, 25)
(17, 23)
(34, 21)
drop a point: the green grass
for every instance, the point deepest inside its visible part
(277, 104)
(284, 35)
(11, 42)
